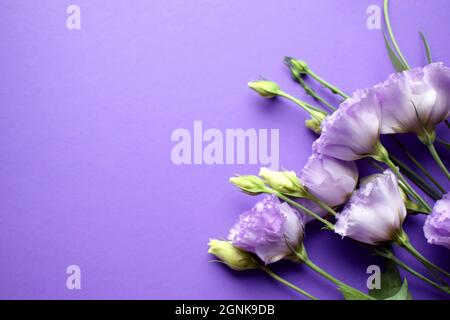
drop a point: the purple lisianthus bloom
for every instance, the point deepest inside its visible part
(415, 99)
(267, 228)
(328, 179)
(375, 212)
(437, 224)
(353, 130)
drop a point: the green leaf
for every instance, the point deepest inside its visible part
(390, 282)
(395, 60)
(351, 294)
(427, 47)
(402, 294)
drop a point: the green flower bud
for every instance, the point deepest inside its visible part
(252, 185)
(297, 67)
(267, 89)
(314, 125)
(285, 182)
(233, 257)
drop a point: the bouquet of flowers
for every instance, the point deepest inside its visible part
(369, 210)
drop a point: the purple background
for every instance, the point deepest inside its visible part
(85, 124)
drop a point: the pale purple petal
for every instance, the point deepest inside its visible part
(437, 224)
(438, 76)
(406, 101)
(329, 179)
(414, 99)
(352, 131)
(266, 227)
(374, 213)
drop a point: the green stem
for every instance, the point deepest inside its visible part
(322, 204)
(418, 164)
(383, 156)
(391, 34)
(402, 240)
(326, 84)
(328, 224)
(389, 255)
(438, 160)
(329, 277)
(302, 255)
(418, 180)
(307, 107)
(313, 94)
(287, 283)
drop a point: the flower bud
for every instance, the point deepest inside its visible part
(297, 67)
(250, 184)
(233, 257)
(267, 89)
(315, 123)
(285, 182)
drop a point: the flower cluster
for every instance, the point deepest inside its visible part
(370, 210)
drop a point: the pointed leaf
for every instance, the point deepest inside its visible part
(395, 60)
(427, 47)
(391, 282)
(351, 294)
(402, 294)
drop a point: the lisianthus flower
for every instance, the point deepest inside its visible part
(437, 224)
(375, 212)
(414, 100)
(353, 130)
(267, 228)
(438, 76)
(328, 179)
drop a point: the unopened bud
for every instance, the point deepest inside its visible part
(265, 88)
(233, 257)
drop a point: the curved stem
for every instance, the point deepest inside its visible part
(403, 241)
(385, 158)
(391, 34)
(328, 224)
(418, 164)
(302, 255)
(418, 180)
(302, 104)
(313, 94)
(287, 283)
(438, 160)
(397, 261)
(326, 84)
(329, 277)
(322, 204)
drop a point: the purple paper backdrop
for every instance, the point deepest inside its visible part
(86, 117)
